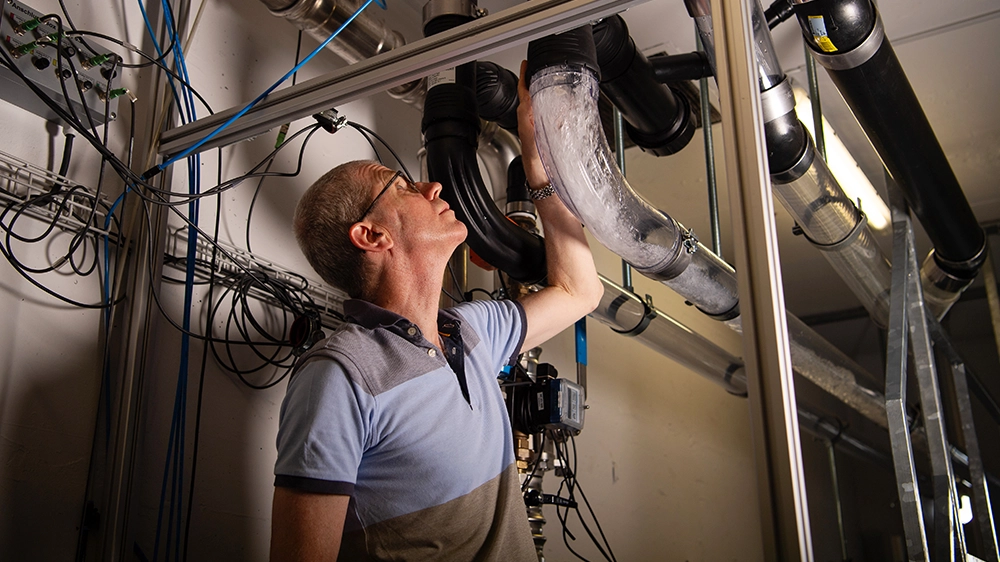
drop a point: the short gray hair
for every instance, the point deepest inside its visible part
(323, 219)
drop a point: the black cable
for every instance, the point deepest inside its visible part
(201, 375)
(364, 129)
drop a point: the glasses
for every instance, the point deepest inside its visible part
(392, 180)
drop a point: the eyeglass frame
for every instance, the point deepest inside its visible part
(392, 180)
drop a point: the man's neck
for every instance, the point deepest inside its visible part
(416, 300)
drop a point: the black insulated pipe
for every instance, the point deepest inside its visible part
(657, 120)
(778, 12)
(450, 127)
(686, 66)
(496, 94)
(847, 38)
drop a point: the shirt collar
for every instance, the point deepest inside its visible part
(372, 316)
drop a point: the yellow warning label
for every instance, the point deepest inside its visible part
(818, 27)
(825, 44)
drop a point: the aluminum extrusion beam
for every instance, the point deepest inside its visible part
(895, 394)
(780, 474)
(477, 39)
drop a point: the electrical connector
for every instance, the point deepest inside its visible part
(117, 92)
(281, 135)
(27, 26)
(96, 61)
(330, 120)
(25, 49)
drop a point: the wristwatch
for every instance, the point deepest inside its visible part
(541, 193)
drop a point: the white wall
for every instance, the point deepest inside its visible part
(666, 457)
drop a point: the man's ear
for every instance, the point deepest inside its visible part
(369, 238)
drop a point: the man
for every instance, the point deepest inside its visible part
(394, 441)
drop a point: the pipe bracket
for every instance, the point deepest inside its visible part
(648, 315)
(846, 240)
(856, 56)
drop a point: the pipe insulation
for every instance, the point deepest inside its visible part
(576, 156)
(847, 38)
(451, 130)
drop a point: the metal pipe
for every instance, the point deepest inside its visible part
(706, 131)
(620, 157)
(363, 39)
(817, 107)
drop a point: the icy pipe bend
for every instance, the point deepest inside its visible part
(567, 125)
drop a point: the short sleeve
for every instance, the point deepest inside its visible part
(324, 428)
(500, 325)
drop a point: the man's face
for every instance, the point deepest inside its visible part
(413, 212)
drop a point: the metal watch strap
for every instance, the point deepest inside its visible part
(541, 193)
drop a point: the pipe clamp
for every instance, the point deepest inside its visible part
(845, 241)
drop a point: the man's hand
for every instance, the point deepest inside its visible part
(573, 288)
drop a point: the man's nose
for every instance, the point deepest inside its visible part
(431, 190)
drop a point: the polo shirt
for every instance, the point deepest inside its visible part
(419, 440)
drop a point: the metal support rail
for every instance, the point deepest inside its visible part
(908, 317)
(474, 40)
(329, 301)
(20, 181)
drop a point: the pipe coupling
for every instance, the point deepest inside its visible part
(800, 167)
(777, 101)
(856, 56)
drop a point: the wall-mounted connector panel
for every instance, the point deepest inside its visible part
(35, 47)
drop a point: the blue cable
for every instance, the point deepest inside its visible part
(157, 169)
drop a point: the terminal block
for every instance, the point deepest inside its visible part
(49, 59)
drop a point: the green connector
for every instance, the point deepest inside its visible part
(27, 26)
(54, 38)
(281, 135)
(118, 92)
(25, 49)
(96, 61)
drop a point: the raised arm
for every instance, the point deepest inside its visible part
(306, 527)
(573, 289)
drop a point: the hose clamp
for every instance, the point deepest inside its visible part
(846, 240)
(777, 101)
(856, 56)
(648, 315)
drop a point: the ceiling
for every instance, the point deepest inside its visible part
(949, 53)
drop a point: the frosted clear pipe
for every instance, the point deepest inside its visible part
(577, 158)
(623, 311)
(827, 216)
(768, 68)
(582, 169)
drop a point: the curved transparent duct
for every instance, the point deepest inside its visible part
(578, 160)
(576, 154)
